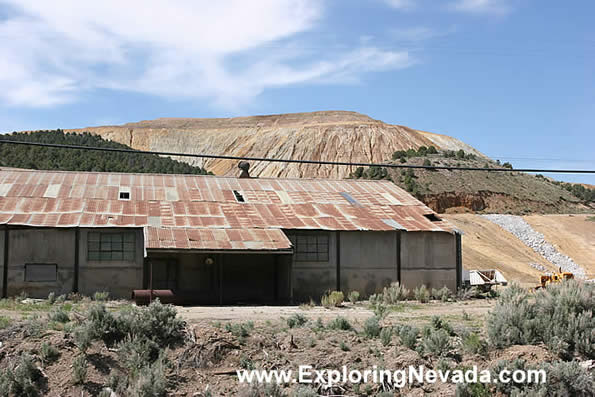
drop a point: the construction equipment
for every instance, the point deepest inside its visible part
(554, 278)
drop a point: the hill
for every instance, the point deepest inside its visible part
(354, 137)
(330, 135)
(496, 192)
(79, 160)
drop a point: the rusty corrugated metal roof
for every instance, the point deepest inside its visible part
(91, 199)
(181, 238)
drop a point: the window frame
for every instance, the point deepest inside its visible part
(110, 246)
(311, 247)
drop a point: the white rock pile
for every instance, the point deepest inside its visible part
(536, 241)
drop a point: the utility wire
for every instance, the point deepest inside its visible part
(315, 162)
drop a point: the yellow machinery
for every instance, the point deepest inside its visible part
(547, 279)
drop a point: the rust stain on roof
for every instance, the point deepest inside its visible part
(179, 204)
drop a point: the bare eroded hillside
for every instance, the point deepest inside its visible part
(328, 135)
(488, 246)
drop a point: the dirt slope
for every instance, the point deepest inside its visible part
(487, 246)
(572, 235)
(327, 135)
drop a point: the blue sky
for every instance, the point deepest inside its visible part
(514, 78)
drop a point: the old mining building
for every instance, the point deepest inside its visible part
(216, 240)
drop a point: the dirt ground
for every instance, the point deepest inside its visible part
(409, 311)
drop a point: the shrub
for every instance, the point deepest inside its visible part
(561, 316)
(135, 353)
(386, 335)
(472, 343)
(101, 296)
(240, 330)
(48, 353)
(340, 323)
(473, 390)
(443, 294)
(296, 320)
(246, 363)
(82, 337)
(61, 299)
(21, 378)
(408, 336)
(394, 293)
(372, 327)
(34, 327)
(332, 299)
(379, 309)
(437, 343)
(160, 323)
(103, 325)
(304, 391)
(353, 297)
(4, 322)
(422, 294)
(427, 163)
(562, 379)
(439, 323)
(343, 346)
(79, 370)
(52, 298)
(150, 382)
(59, 315)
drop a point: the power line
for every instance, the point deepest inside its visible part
(314, 162)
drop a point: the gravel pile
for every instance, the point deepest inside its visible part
(535, 240)
(537, 266)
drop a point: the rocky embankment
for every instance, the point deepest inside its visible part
(536, 241)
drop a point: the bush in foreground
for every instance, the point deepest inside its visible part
(561, 316)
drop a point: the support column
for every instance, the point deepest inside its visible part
(459, 256)
(220, 265)
(338, 244)
(399, 257)
(77, 238)
(5, 267)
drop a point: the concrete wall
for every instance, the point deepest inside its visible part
(310, 280)
(120, 277)
(35, 252)
(40, 246)
(428, 258)
(368, 261)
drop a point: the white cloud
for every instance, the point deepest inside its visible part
(482, 6)
(227, 51)
(401, 4)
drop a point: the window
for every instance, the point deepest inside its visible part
(310, 247)
(124, 195)
(432, 217)
(106, 246)
(39, 272)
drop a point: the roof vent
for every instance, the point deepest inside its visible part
(124, 195)
(432, 217)
(239, 197)
(245, 167)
